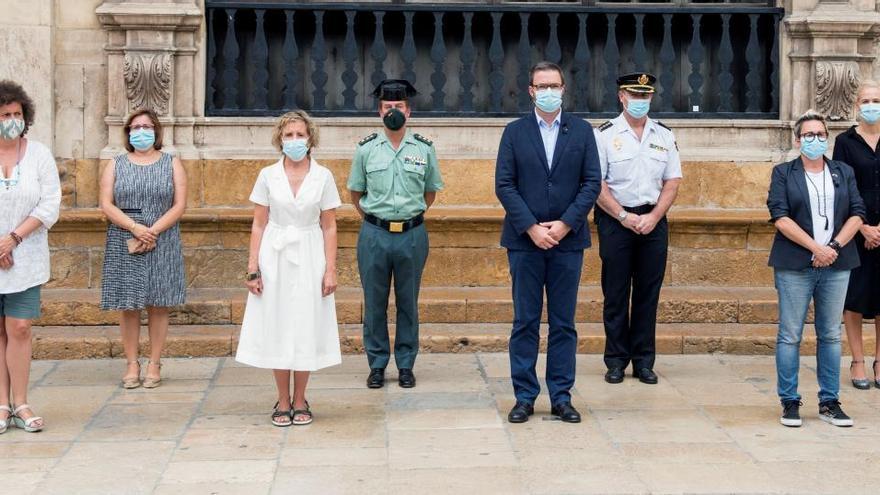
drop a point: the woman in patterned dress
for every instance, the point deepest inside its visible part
(143, 194)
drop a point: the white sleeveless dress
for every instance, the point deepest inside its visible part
(291, 325)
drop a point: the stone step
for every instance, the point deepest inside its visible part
(468, 181)
(691, 304)
(65, 342)
(707, 247)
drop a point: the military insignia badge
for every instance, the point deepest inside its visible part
(617, 143)
(643, 79)
(658, 147)
(415, 160)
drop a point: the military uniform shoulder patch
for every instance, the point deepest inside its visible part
(607, 125)
(423, 139)
(367, 139)
(661, 124)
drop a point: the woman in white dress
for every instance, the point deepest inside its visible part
(290, 318)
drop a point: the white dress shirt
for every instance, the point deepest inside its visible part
(549, 133)
(37, 194)
(635, 169)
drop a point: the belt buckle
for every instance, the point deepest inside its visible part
(396, 227)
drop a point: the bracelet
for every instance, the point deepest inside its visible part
(15, 237)
(133, 223)
(251, 276)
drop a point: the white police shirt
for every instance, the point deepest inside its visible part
(634, 170)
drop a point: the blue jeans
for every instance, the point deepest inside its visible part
(827, 288)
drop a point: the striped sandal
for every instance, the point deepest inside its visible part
(26, 424)
(4, 423)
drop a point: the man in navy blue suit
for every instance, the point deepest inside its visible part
(547, 177)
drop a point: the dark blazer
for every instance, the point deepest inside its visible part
(789, 197)
(531, 192)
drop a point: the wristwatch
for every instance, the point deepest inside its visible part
(621, 216)
(833, 244)
(251, 276)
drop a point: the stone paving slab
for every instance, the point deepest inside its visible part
(710, 426)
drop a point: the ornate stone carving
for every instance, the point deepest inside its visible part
(836, 86)
(148, 80)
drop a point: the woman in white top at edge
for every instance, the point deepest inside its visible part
(290, 318)
(30, 199)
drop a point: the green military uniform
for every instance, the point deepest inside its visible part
(394, 183)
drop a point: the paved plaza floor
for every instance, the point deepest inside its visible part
(710, 426)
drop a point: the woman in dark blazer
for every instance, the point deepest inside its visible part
(859, 147)
(816, 208)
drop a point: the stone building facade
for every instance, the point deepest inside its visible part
(87, 63)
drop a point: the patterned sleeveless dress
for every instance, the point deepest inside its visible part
(155, 278)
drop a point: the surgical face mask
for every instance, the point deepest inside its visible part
(814, 148)
(869, 112)
(394, 119)
(637, 108)
(295, 149)
(142, 139)
(11, 128)
(548, 100)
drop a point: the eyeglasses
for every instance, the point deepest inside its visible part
(809, 137)
(142, 127)
(541, 87)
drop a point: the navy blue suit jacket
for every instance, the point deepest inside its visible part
(532, 192)
(789, 197)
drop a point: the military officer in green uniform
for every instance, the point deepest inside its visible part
(394, 179)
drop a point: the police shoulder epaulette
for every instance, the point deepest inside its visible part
(607, 125)
(661, 124)
(423, 139)
(367, 139)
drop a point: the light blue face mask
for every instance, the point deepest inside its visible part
(295, 149)
(548, 100)
(142, 139)
(814, 149)
(638, 108)
(11, 128)
(869, 112)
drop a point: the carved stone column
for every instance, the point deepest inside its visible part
(151, 48)
(832, 51)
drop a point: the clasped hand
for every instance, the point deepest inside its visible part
(641, 224)
(824, 256)
(547, 235)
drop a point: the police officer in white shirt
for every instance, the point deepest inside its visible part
(641, 172)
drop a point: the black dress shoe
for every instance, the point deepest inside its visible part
(646, 375)
(405, 378)
(566, 412)
(376, 379)
(520, 412)
(614, 375)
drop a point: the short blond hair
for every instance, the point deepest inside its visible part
(295, 116)
(808, 116)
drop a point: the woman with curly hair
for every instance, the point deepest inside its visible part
(30, 199)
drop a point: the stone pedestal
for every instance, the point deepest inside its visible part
(151, 63)
(832, 49)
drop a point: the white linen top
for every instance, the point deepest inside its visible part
(821, 192)
(38, 195)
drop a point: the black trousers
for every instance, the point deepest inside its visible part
(632, 264)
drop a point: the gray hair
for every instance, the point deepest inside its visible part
(806, 117)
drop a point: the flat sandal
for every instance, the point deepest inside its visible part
(302, 412)
(276, 415)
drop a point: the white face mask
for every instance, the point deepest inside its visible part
(11, 128)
